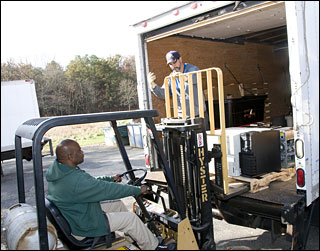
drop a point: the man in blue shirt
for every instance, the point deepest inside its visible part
(174, 61)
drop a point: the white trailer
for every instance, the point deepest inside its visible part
(267, 46)
(18, 104)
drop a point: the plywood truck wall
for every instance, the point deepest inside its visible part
(241, 59)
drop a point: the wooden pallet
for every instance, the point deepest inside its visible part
(262, 182)
(233, 183)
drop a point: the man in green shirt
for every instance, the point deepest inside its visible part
(78, 194)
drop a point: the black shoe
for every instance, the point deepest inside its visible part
(171, 246)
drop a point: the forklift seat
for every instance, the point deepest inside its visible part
(64, 230)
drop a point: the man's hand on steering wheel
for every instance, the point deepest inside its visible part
(117, 178)
(144, 189)
(138, 181)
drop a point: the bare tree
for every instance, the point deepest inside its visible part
(129, 94)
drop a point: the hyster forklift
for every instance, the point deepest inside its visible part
(188, 220)
(186, 150)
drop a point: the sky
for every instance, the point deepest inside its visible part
(38, 32)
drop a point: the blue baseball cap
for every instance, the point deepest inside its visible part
(172, 56)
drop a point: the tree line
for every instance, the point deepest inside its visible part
(89, 84)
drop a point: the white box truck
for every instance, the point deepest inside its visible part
(267, 48)
(18, 104)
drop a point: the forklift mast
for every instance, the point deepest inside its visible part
(186, 149)
(185, 145)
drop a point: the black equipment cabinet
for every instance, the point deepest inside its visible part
(260, 152)
(241, 111)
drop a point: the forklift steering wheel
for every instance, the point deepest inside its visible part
(139, 180)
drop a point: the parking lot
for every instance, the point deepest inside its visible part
(102, 160)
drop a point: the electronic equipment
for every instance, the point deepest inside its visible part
(260, 152)
(241, 111)
(233, 147)
(286, 146)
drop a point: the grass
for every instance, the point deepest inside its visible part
(84, 134)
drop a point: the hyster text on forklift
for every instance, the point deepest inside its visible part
(258, 164)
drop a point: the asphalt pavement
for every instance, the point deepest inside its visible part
(102, 160)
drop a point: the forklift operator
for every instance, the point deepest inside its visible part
(78, 195)
(174, 61)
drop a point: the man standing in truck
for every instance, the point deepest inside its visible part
(174, 61)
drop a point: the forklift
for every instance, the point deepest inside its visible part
(189, 216)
